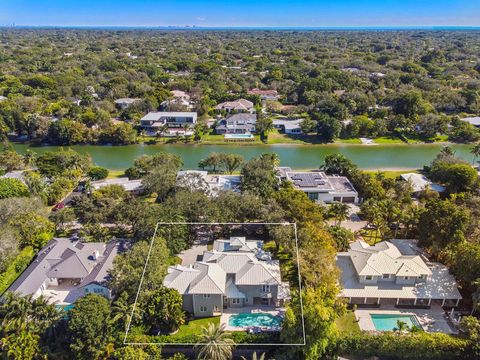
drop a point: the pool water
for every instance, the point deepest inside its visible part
(260, 319)
(388, 322)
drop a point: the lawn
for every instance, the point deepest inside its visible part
(388, 140)
(16, 267)
(194, 327)
(347, 324)
(112, 174)
(391, 174)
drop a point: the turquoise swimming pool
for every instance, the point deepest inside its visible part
(258, 319)
(388, 322)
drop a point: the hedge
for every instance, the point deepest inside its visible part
(17, 266)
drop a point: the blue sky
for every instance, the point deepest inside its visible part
(286, 13)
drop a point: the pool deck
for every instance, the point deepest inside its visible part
(431, 320)
(249, 310)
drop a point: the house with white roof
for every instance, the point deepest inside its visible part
(235, 274)
(65, 270)
(134, 186)
(179, 98)
(420, 183)
(241, 105)
(319, 186)
(473, 120)
(288, 126)
(394, 273)
(125, 103)
(156, 120)
(264, 94)
(212, 184)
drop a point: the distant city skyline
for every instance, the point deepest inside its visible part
(247, 13)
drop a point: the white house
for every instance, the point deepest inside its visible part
(154, 121)
(394, 273)
(125, 103)
(241, 105)
(473, 120)
(264, 94)
(420, 182)
(65, 270)
(320, 187)
(134, 186)
(288, 126)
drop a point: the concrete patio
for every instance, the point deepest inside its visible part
(431, 320)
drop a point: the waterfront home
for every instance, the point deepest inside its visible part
(65, 270)
(125, 103)
(174, 121)
(237, 273)
(420, 183)
(211, 184)
(320, 187)
(394, 273)
(264, 94)
(241, 105)
(240, 123)
(133, 186)
(473, 120)
(288, 126)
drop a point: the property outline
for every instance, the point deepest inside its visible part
(218, 223)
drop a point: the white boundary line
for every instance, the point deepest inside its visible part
(217, 223)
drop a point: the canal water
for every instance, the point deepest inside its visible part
(296, 156)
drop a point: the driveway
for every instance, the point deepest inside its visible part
(195, 253)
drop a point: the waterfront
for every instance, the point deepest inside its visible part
(298, 157)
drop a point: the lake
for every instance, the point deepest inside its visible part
(296, 156)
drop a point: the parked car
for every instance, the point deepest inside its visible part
(59, 206)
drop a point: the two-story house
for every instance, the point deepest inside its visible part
(236, 273)
(174, 121)
(240, 123)
(394, 273)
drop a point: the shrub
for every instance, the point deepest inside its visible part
(97, 173)
(12, 188)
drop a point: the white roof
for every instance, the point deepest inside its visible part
(126, 100)
(230, 262)
(385, 258)
(3, 97)
(420, 182)
(440, 285)
(474, 120)
(157, 115)
(128, 185)
(241, 104)
(202, 278)
(258, 272)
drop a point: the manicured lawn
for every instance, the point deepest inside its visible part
(112, 174)
(388, 140)
(391, 174)
(194, 327)
(348, 141)
(347, 324)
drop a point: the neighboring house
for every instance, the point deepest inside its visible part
(65, 270)
(155, 121)
(320, 187)
(211, 184)
(420, 182)
(240, 123)
(180, 98)
(288, 126)
(124, 103)
(474, 120)
(394, 273)
(236, 273)
(134, 186)
(264, 94)
(241, 105)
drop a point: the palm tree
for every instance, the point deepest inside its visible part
(401, 327)
(255, 357)
(214, 345)
(476, 152)
(339, 211)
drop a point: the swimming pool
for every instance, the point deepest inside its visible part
(388, 322)
(258, 319)
(239, 136)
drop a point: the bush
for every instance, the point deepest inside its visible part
(17, 266)
(419, 345)
(12, 188)
(97, 173)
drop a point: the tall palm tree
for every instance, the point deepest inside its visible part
(476, 152)
(339, 211)
(401, 327)
(255, 357)
(214, 343)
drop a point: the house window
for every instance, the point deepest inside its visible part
(313, 196)
(246, 300)
(368, 277)
(203, 309)
(235, 301)
(337, 198)
(265, 288)
(405, 277)
(386, 276)
(206, 296)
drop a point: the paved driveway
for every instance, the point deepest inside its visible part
(195, 253)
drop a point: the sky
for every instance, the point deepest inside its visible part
(244, 13)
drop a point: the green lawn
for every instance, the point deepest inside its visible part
(391, 174)
(194, 327)
(112, 174)
(388, 140)
(347, 324)
(348, 141)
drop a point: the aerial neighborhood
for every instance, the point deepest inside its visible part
(257, 194)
